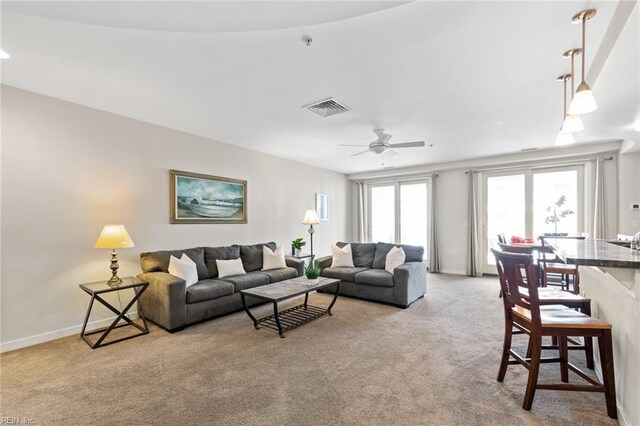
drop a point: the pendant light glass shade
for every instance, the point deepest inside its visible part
(583, 101)
(564, 139)
(572, 124)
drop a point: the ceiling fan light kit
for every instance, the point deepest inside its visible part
(382, 146)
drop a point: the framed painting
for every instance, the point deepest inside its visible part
(322, 207)
(197, 198)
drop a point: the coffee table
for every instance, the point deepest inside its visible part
(287, 289)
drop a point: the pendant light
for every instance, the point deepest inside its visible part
(583, 101)
(564, 138)
(572, 123)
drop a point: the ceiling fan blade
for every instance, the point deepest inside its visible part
(360, 153)
(416, 144)
(391, 153)
(344, 144)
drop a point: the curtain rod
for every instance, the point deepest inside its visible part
(538, 165)
(396, 178)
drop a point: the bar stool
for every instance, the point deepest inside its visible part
(552, 265)
(553, 296)
(526, 314)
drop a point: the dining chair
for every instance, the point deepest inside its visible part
(525, 312)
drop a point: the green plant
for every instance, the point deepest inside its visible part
(312, 272)
(298, 243)
(556, 214)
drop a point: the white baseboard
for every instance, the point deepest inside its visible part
(57, 334)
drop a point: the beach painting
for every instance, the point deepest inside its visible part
(198, 198)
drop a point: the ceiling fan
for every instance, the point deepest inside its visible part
(382, 145)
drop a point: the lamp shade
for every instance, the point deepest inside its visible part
(572, 124)
(565, 139)
(583, 101)
(113, 237)
(310, 218)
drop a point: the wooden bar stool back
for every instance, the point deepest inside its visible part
(551, 265)
(524, 312)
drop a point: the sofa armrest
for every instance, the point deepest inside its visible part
(294, 262)
(410, 282)
(324, 262)
(165, 300)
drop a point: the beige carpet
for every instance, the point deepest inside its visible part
(434, 363)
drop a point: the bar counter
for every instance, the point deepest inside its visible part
(595, 253)
(610, 277)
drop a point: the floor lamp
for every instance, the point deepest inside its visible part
(311, 218)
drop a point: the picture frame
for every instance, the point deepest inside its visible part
(322, 207)
(200, 198)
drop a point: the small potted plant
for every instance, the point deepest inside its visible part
(313, 274)
(556, 214)
(296, 246)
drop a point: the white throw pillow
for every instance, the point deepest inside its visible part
(227, 268)
(273, 259)
(395, 258)
(341, 257)
(184, 268)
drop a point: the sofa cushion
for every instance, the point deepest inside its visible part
(375, 277)
(363, 253)
(211, 254)
(208, 289)
(252, 255)
(281, 274)
(250, 280)
(412, 253)
(344, 274)
(158, 261)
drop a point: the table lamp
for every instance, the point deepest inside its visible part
(113, 237)
(311, 218)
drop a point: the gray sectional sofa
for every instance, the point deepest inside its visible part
(369, 280)
(170, 304)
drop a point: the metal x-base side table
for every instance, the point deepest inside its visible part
(99, 288)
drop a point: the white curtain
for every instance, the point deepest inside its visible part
(434, 251)
(361, 215)
(600, 211)
(473, 248)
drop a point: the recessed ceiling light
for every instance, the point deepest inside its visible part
(4, 55)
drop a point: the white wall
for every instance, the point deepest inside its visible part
(68, 170)
(452, 196)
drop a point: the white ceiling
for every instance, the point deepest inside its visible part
(473, 78)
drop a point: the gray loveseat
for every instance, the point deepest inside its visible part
(170, 304)
(369, 280)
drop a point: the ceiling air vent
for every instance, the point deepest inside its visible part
(327, 107)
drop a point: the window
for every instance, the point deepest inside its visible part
(398, 212)
(531, 203)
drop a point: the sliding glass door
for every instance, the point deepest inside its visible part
(398, 212)
(530, 203)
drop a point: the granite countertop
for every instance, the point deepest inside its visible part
(595, 253)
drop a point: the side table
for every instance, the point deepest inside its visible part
(96, 290)
(305, 257)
